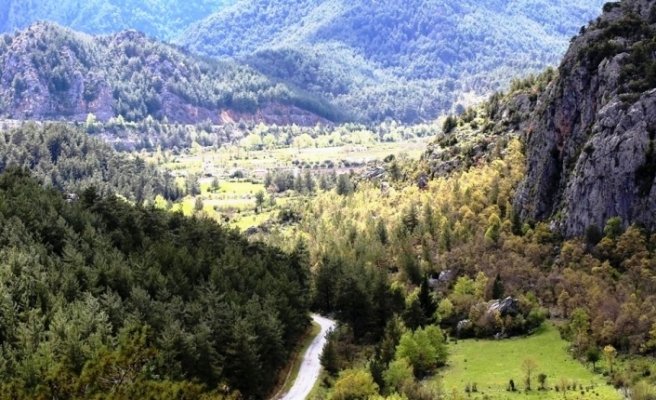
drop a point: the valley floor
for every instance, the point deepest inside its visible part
(234, 201)
(490, 364)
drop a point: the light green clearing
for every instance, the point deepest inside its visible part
(492, 363)
(234, 201)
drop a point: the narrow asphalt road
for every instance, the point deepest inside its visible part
(311, 366)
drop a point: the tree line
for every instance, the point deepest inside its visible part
(65, 157)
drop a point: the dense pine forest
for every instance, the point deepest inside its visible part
(68, 159)
(101, 298)
(408, 61)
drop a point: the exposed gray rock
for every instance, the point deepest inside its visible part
(447, 276)
(433, 283)
(507, 306)
(422, 182)
(589, 145)
(474, 144)
(384, 188)
(253, 230)
(463, 326)
(374, 172)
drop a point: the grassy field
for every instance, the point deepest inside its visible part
(247, 220)
(491, 364)
(234, 201)
(239, 188)
(227, 158)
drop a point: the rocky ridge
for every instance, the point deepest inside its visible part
(51, 73)
(480, 134)
(589, 128)
(590, 143)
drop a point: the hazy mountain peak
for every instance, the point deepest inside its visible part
(158, 18)
(441, 49)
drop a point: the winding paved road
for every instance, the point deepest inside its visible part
(311, 366)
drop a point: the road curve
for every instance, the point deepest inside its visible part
(311, 366)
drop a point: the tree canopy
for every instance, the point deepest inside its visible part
(97, 288)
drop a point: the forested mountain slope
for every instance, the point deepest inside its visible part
(544, 194)
(157, 18)
(407, 60)
(67, 158)
(104, 300)
(49, 72)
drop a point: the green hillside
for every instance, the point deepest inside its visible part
(408, 61)
(158, 18)
(101, 299)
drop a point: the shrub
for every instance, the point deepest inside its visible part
(450, 123)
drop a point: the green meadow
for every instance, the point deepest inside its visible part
(234, 200)
(490, 364)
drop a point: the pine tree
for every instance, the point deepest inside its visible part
(329, 358)
(426, 300)
(497, 287)
(492, 233)
(450, 123)
(411, 218)
(381, 230)
(413, 315)
(344, 185)
(299, 184)
(323, 182)
(310, 184)
(259, 201)
(198, 204)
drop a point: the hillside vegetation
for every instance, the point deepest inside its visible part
(408, 61)
(49, 72)
(104, 300)
(157, 18)
(68, 159)
(450, 247)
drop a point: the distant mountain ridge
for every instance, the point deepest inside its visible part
(360, 60)
(51, 73)
(409, 61)
(162, 19)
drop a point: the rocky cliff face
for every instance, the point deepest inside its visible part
(50, 73)
(590, 140)
(481, 133)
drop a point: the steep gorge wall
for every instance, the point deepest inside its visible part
(590, 144)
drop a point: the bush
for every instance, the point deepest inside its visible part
(424, 349)
(450, 123)
(354, 384)
(608, 7)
